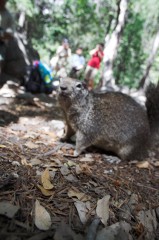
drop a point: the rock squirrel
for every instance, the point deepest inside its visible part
(112, 121)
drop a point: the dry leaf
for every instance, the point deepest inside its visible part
(81, 196)
(70, 163)
(45, 192)
(82, 210)
(149, 221)
(31, 145)
(42, 217)
(102, 209)
(24, 162)
(57, 161)
(2, 146)
(87, 159)
(85, 168)
(45, 179)
(144, 164)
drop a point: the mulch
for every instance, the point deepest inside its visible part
(99, 175)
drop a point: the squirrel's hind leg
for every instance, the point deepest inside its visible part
(130, 152)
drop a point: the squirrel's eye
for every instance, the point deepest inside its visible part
(79, 85)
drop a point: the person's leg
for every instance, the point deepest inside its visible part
(93, 73)
(87, 75)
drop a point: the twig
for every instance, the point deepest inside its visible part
(60, 145)
(140, 185)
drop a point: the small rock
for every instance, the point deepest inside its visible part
(35, 161)
(117, 231)
(111, 159)
(15, 175)
(110, 171)
(8, 209)
(16, 163)
(71, 178)
(64, 170)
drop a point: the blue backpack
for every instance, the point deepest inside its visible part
(39, 80)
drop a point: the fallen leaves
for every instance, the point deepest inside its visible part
(47, 186)
(102, 209)
(42, 217)
(67, 174)
(45, 192)
(31, 145)
(81, 202)
(78, 184)
(25, 162)
(144, 164)
(79, 195)
(149, 221)
(2, 146)
(45, 179)
(82, 209)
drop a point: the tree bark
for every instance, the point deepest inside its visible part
(144, 80)
(112, 43)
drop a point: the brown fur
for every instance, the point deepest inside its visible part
(111, 121)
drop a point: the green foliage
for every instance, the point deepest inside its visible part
(83, 22)
(136, 42)
(130, 53)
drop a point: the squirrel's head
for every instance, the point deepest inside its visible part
(71, 91)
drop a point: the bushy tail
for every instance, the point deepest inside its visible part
(152, 105)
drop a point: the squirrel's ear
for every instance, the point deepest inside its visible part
(84, 84)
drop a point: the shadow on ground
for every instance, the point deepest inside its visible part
(16, 103)
(7, 117)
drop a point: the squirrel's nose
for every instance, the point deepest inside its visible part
(63, 88)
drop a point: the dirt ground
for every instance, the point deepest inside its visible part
(37, 179)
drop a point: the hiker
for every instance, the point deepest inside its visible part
(40, 79)
(77, 63)
(93, 64)
(59, 63)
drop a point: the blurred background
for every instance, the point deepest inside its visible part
(44, 23)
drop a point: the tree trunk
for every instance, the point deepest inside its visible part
(112, 43)
(144, 80)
